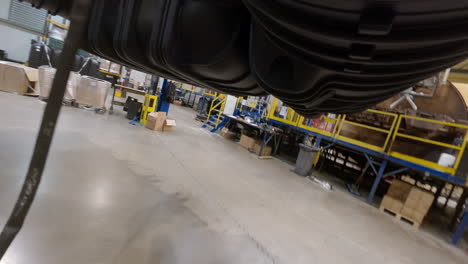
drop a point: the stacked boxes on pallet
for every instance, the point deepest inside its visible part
(254, 145)
(417, 205)
(396, 196)
(407, 201)
(247, 142)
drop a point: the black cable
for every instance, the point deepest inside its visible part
(79, 20)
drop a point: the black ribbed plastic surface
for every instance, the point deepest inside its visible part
(317, 56)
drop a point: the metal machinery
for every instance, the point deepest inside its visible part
(316, 56)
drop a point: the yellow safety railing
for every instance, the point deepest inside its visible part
(333, 127)
(210, 93)
(461, 148)
(323, 125)
(57, 23)
(290, 117)
(221, 103)
(239, 104)
(388, 132)
(191, 89)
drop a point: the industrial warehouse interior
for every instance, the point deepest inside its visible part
(253, 131)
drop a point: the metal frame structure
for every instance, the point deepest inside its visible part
(383, 152)
(214, 120)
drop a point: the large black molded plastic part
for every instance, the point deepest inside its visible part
(317, 56)
(345, 56)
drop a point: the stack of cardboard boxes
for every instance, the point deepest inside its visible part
(417, 205)
(17, 78)
(247, 142)
(407, 201)
(158, 121)
(254, 145)
(396, 196)
(227, 134)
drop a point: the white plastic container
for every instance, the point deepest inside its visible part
(446, 160)
(72, 84)
(92, 92)
(46, 78)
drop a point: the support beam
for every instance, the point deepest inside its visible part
(460, 229)
(318, 140)
(371, 162)
(163, 105)
(395, 172)
(377, 181)
(448, 197)
(458, 210)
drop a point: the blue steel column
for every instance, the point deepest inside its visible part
(202, 105)
(377, 181)
(317, 142)
(163, 105)
(460, 229)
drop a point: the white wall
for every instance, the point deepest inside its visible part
(4, 8)
(18, 44)
(18, 41)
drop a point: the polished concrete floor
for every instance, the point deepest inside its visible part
(117, 193)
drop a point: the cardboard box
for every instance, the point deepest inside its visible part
(151, 121)
(256, 149)
(419, 200)
(247, 142)
(413, 215)
(169, 125)
(17, 78)
(417, 204)
(399, 190)
(391, 204)
(227, 134)
(408, 201)
(156, 121)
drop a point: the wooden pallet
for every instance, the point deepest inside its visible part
(400, 217)
(68, 103)
(31, 94)
(91, 108)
